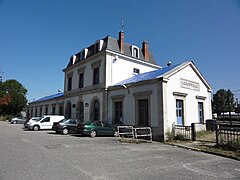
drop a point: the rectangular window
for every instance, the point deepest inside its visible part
(179, 112)
(40, 112)
(53, 110)
(60, 110)
(69, 84)
(143, 113)
(81, 80)
(200, 112)
(46, 110)
(118, 119)
(136, 71)
(96, 75)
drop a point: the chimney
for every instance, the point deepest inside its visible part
(121, 41)
(145, 50)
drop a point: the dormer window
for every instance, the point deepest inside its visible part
(74, 59)
(98, 45)
(84, 54)
(135, 51)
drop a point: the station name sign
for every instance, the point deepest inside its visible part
(189, 85)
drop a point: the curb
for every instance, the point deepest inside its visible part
(201, 150)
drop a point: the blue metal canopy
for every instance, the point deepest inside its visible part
(53, 96)
(148, 75)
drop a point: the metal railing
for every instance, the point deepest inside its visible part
(143, 133)
(125, 131)
(228, 136)
(140, 133)
(182, 132)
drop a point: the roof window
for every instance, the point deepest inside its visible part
(84, 53)
(98, 45)
(135, 51)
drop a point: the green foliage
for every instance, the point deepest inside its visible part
(179, 137)
(170, 136)
(15, 93)
(223, 101)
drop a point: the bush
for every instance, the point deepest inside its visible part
(179, 137)
(6, 118)
(170, 136)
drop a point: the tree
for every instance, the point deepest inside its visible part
(218, 102)
(230, 102)
(12, 97)
(223, 101)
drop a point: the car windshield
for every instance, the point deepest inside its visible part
(87, 123)
(63, 120)
(38, 119)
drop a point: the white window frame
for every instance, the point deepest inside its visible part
(135, 55)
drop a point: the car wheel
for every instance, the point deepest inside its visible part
(14, 122)
(35, 128)
(65, 131)
(93, 133)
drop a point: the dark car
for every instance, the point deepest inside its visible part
(66, 126)
(18, 120)
(96, 128)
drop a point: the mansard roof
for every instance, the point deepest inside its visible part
(110, 43)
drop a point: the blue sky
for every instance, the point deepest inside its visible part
(37, 38)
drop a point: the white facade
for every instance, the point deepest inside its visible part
(94, 89)
(184, 84)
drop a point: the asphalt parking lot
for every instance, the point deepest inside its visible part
(45, 155)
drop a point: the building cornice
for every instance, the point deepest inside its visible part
(132, 58)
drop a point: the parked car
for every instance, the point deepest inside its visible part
(45, 123)
(66, 126)
(18, 120)
(96, 128)
(31, 120)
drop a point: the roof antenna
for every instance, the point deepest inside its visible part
(122, 24)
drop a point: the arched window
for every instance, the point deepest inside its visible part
(96, 110)
(68, 111)
(80, 111)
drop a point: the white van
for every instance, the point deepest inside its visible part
(46, 122)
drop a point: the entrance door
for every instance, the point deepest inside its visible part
(143, 112)
(200, 112)
(118, 112)
(179, 112)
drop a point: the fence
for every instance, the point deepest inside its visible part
(182, 132)
(143, 132)
(135, 133)
(125, 131)
(227, 136)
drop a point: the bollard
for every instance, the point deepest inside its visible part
(193, 132)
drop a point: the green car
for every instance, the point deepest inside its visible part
(96, 128)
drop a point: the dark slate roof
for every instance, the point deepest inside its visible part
(148, 75)
(50, 97)
(114, 46)
(110, 43)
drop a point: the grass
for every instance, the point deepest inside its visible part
(225, 151)
(205, 142)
